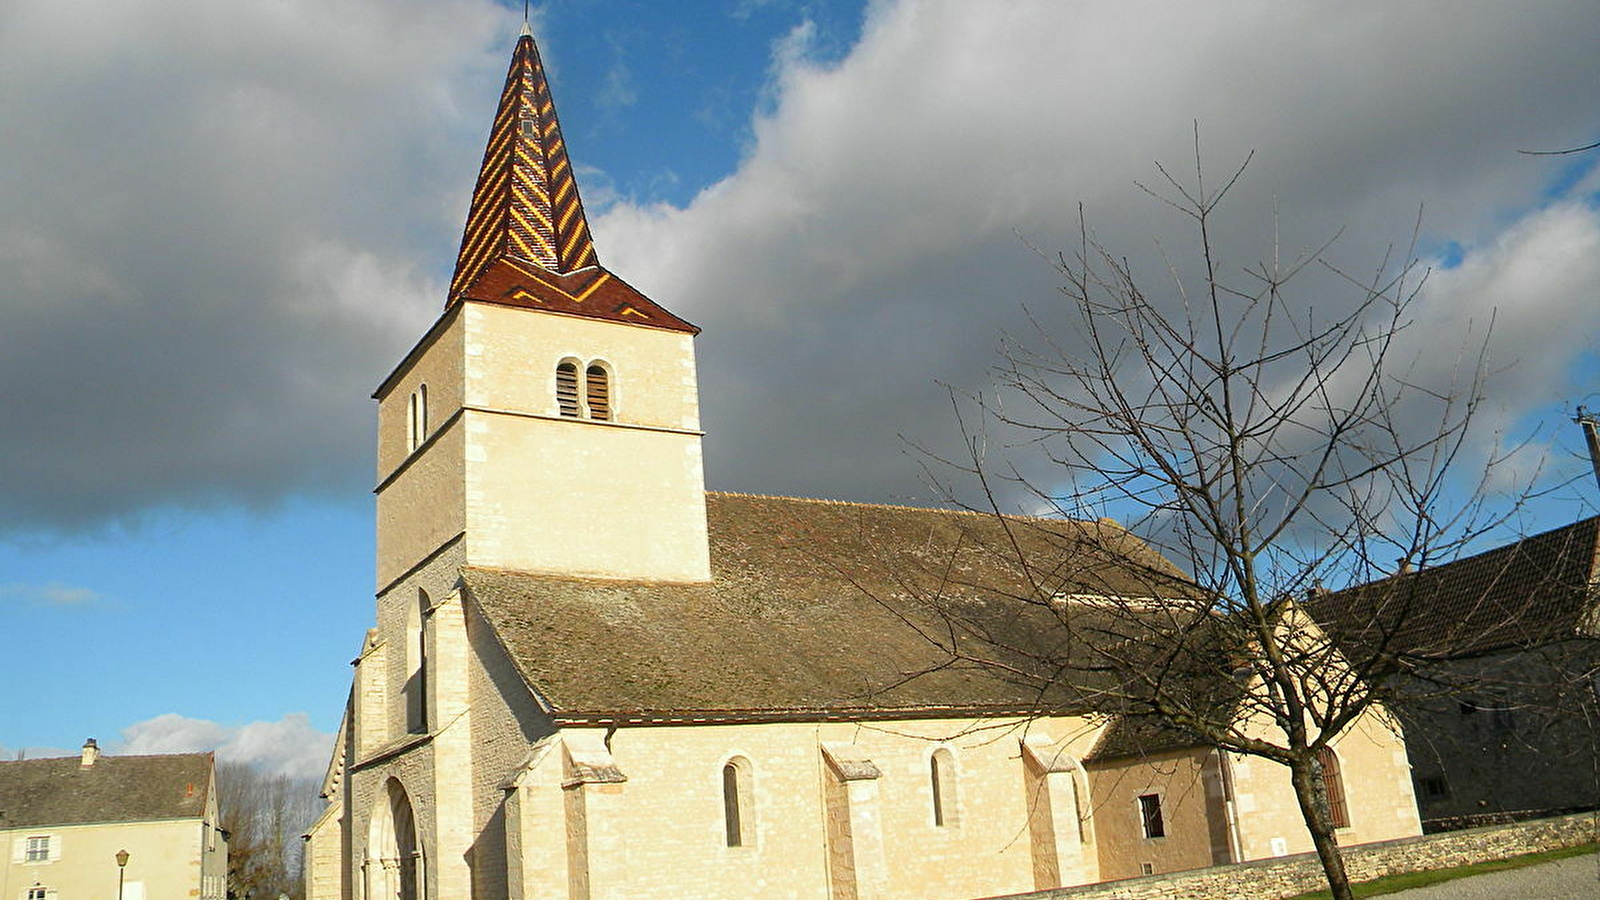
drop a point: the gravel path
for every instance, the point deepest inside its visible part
(1574, 878)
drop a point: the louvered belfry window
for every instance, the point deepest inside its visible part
(567, 389)
(599, 394)
(1333, 785)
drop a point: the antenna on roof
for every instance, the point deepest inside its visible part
(1591, 433)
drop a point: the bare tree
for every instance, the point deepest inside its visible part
(1270, 429)
(264, 815)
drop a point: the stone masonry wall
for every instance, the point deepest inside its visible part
(1290, 875)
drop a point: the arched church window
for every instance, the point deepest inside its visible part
(738, 823)
(942, 778)
(417, 418)
(567, 388)
(599, 392)
(1333, 786)
(416, 686)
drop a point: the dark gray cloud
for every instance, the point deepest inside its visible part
(221, 223)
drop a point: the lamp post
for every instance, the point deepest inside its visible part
(122, 867)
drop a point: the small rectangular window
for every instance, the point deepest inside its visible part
(38, 849)
(37, 893)
(1150, 816)
(1435, 788)
(1147, 868)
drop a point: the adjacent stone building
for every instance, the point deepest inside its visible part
(591, 678)
(1511, 634)
(64, 821)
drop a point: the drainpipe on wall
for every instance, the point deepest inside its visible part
(1590, 423)
(1235, 849)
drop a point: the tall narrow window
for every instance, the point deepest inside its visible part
(422, 413)
(599, 393)
(411, 423)
(416, 686)
(942, 778)
(1333, 786)
(567, 388)
(1150, 821)
(737, 824)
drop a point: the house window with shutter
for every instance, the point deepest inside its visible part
(599, 392)
(567, 388)
(38, 849)
(1333, 786)
(1150, 821)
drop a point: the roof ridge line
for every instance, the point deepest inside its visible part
(1519, 541)
(829, 501)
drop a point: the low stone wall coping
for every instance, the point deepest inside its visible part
(1286, 876)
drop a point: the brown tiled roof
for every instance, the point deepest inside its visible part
(1532, 592)
(820, 609)
(593, 292)
(1128, 736)
(60, 791)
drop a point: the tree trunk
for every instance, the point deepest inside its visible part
(1307, 781)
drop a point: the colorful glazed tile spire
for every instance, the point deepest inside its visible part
(526, 204)
(527, 242)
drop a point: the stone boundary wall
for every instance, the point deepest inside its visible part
(1476, 820)
(1287, 876)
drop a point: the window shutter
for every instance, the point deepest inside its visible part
(55, 847)
(599, 394)
(133, 890)
(1333, 786)
(19, 850)
(567, 389)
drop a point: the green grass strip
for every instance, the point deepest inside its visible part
(1388, 884)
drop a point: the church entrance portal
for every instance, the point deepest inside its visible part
(393, 868)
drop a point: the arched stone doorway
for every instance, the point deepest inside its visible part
(393, 869)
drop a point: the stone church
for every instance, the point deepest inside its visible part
(591, 678)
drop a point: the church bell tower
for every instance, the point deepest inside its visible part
(549, 420)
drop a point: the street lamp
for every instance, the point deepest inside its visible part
(122, 867)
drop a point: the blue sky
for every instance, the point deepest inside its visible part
(217, 249)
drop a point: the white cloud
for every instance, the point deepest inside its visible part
(866, 247)
(51, 593)
(290, 746)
